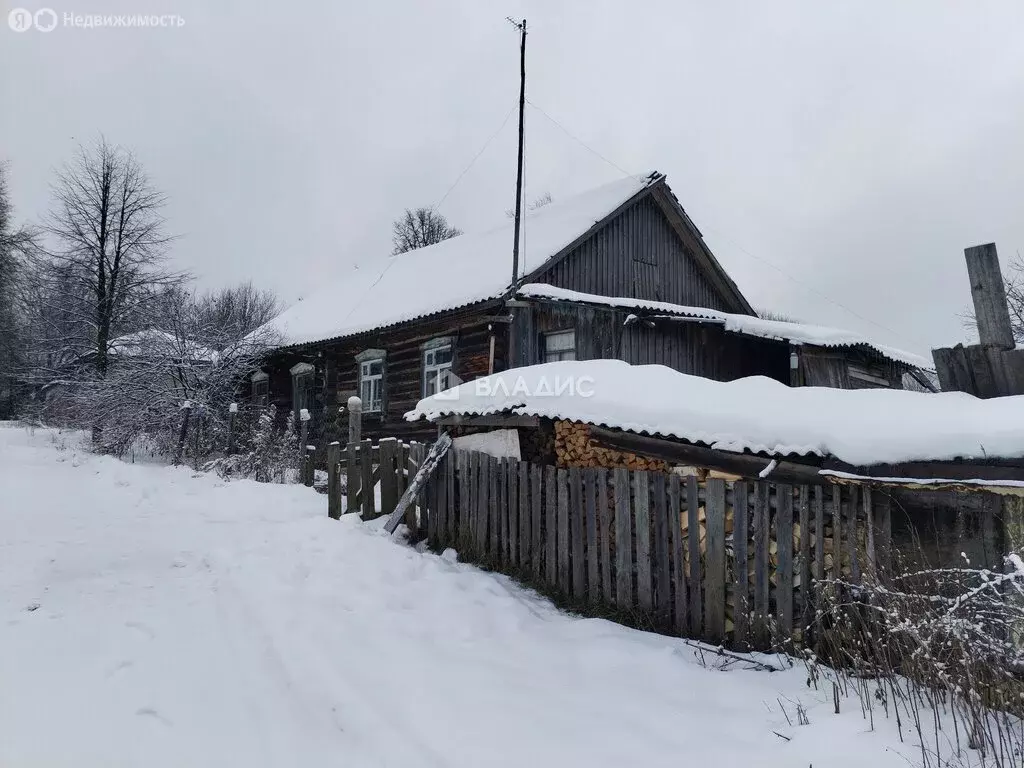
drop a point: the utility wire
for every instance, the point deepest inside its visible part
(580, 141)
(777, 268)
(476, 157)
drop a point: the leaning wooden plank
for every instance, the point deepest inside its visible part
(761, 521)
(366, 483)
(562, 478)
(550, 528)
(577, 536)
(662, 564)
(427, 468)
(642, 521)
(604, 534)
(741, 575)
(714, 578)
(388, 483)
(593, 585)
(680, 615)
(695, 579)
(784, 555)
(623, 541)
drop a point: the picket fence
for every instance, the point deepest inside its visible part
(651, 549)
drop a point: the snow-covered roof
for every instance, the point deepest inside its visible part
(463, 270)
(757, 414)
(796, 333)
(152, 343)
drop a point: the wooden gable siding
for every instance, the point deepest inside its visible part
(830, 367)
(697, 349)
(637, 254)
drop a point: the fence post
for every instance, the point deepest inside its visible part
(308, 465)
(355, 419)
(333, 481)
(232, 417)
(305, 460)
(186, 408)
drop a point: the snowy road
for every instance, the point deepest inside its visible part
(151, 617)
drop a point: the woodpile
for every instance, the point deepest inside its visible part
(574, 447)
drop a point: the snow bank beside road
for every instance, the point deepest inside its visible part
(154, 617)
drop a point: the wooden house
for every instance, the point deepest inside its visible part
(409, 325)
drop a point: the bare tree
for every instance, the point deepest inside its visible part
(16, 244)
(236, 311)
(110, 251)
(420, 228)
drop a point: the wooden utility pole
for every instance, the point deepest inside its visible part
(521, 26)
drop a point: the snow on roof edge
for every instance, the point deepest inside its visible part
(756, 414)
(748, 325)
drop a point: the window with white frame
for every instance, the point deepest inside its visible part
(559, 345)
(302, 388)
(437, 366)
(260, 388)
(371, 380)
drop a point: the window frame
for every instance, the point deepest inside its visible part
(429, 348)
(260, 398)
(547, 353)
(367, 358)
(302, 379)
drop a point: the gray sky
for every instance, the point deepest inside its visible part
(857, 146)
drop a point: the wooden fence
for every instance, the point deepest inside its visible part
(726, 562)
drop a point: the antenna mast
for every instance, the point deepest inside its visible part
(521, 26)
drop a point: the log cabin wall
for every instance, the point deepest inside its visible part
(603, 333)
(832, 366)
(336, 370)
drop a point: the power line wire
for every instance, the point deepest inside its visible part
(580, 141)
(779, 269)
(475, 158)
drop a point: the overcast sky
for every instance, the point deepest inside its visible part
(838, 156)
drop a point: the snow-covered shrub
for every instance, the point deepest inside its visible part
(265, 451)
(942, 648)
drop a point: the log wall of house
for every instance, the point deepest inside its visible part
(337, 371)
(702, 350)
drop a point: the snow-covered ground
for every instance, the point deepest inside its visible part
(150, 616)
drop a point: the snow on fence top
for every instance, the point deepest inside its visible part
(463, 270)
(796, 333)
(757, 414)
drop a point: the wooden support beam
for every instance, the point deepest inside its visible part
(989, 295)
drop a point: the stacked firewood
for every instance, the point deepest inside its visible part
(575, 448)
